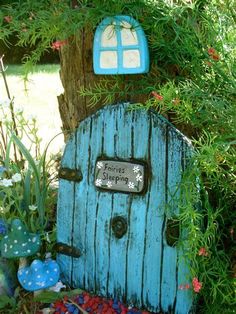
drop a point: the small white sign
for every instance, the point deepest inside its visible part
(120, 176)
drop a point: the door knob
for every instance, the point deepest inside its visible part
(119, 226)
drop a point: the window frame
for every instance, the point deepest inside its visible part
(142, 47)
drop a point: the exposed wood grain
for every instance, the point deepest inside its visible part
(184, 297)
(104, 208)
(169, 267)
(153, 249)
(121, 207)
(139, 267)
(138, 212)
(93, 196)
(65, 210)
(80, 223)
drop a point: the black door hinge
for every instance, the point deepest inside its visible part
(70, 174)
(66, 249)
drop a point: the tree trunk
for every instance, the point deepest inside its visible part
(77, 72)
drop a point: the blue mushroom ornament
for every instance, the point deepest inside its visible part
(20, 243)
(7, 269)
(39, 275)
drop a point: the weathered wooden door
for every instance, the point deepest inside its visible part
(139, 266)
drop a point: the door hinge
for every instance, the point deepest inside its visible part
(70, 174)
(66, 249)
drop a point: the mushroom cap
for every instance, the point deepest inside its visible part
(39, 275)
(19, 242)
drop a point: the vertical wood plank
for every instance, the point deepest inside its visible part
(95, 148)
(81, 190)
(155, 214)
(138, 211)
(104, 208)
(65, 210)
(169, 267)
(140, 267)
(121, 207)
(184, 297)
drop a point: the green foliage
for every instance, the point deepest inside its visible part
(26, 182)
(192, 82)
(5, 301)
(52, 296)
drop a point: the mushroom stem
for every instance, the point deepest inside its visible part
(22, 262)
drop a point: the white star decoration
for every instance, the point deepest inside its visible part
(98, 182)
(131, 185)
(139, 178)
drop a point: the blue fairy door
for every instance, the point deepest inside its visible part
(117, 211)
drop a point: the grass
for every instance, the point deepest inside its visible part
(18, 70)
(38, 98)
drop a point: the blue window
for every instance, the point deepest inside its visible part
(120, 47)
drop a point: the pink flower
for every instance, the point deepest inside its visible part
(157, 96)
(8, 19)
(197, 285)
(58, 44)
(203, 252)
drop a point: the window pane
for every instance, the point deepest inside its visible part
(128, 35)
(108, 59)
(109, 37)
(131, 58)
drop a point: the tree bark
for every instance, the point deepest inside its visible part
(76, 72)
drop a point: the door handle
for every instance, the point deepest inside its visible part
(119, 226)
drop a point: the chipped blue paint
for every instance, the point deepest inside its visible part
(118, 247)
(168, 285)
(154, 221)
(140, 267)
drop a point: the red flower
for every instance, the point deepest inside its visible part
(215, 57)
(157, 96)
(213, 54)
(211, 51)
(8, 19)
(203, 252)
(197, 285)
(58, 44)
